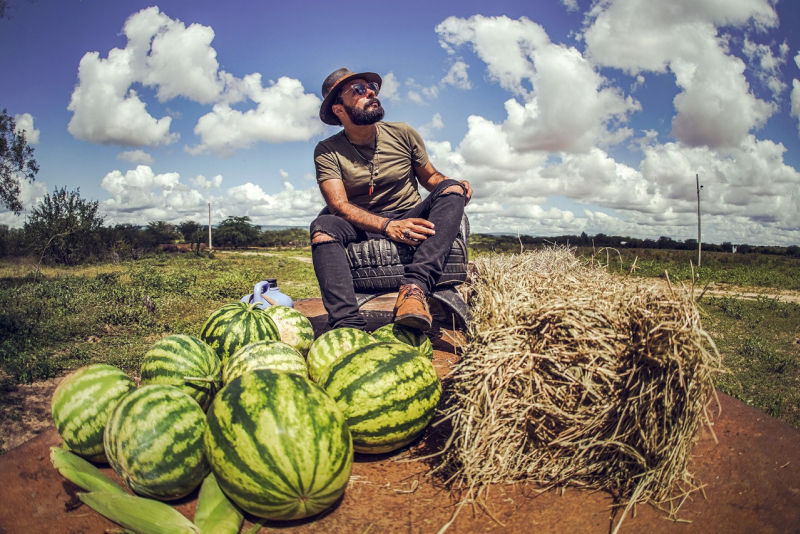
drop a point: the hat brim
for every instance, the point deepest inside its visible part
(325, 112)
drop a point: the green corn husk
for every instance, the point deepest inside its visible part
(82, 473)
(215, 513)
(143, 516)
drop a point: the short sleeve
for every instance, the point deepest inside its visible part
(326, 164)
(419, 156)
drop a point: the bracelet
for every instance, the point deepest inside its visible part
(384, 226)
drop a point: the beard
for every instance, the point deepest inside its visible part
(366, 116)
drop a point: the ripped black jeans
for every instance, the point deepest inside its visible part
(445, 211)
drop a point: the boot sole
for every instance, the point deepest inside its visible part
(420, 322)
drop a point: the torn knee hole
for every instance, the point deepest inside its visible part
(454, 190)
(321, 237)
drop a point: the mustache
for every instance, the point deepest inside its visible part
(371, 101)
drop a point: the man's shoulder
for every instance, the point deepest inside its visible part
(331, 143)
(397, 126)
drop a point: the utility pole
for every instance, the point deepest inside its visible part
(699, 242)
(210, 248)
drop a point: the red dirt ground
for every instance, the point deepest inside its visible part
(751, 478)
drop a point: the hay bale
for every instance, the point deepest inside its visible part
(574, 376)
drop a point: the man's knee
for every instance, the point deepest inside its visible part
(321, 237)
(454, 189)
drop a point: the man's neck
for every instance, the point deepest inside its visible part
(361, 135)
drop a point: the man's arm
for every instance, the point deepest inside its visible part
(429, 178)
(410, 231)
(336, 198)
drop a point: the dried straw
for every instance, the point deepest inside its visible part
(573, 376)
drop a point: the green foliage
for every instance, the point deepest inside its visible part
(64, 228)
(16, 159)
(235, 232)
(160, 232)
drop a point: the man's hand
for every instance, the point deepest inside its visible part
(410, 231)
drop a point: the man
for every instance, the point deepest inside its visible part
(368, 174)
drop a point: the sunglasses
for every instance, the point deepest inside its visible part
(360, 89)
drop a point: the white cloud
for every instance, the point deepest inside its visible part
(139, 196)
(570, 107)
(767, 65)
(571, 5)
(716, 107)
(203, 183)
(796, 98)
(284, 112)
(30, 194)
(390, 87)
(436, 123)
(136, 156)
(283, 173)
(24, 121)
(179, 62)
(457, 76)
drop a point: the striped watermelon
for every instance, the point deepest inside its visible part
(388, 392)
(274, 355)
(186, 363)
(82, 403)
(397, 333)
(294, 328)
(233, 326)
(278, 445)
(154, 442)
(331, 345)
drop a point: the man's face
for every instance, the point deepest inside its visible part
(361, 109)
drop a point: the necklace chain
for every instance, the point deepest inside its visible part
(370, 164)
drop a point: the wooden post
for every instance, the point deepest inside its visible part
(210, 248)
(699, 242)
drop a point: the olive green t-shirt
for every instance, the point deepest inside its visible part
(398, 150)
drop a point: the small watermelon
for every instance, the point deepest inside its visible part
(186, 363)
(82, 403)
(154, 442)
(331, 345)
(388, 392)
(294, 328)
(278, 445)
(274, 355)
(233, 326)
(397, 333)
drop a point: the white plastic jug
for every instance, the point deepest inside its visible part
(266, 291)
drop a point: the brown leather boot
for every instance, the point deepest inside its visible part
(411, 308)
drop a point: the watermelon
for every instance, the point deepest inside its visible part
(294, 328)
(82, 403)
(278, 445)
(331, 345)
(233, 326)
(264, 355)
(154, 442)
(388, 392)
(186, 363)
(395, 333)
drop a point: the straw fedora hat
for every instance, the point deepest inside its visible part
(333, 85)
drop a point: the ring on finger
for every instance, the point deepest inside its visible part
(407, 234)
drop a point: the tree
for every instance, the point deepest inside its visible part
(64, 227)
(16, 162)
(161, 232)
(236, 232)
(193, 233)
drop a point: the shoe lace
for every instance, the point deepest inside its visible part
(414, 292)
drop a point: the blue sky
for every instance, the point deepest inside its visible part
(566, 116)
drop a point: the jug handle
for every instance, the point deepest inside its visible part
(259, 296)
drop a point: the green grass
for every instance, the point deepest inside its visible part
(759, 342)
(63, 318)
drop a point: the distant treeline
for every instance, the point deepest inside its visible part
(506, 243)
(67, 229)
